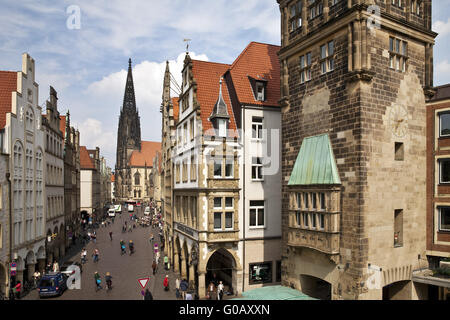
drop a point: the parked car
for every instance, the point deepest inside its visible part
(112, 212)
(147, 211)
(52, 284)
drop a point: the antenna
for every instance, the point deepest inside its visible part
(187, 44)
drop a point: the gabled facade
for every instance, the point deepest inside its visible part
(361, 79)
(71, 178)
(54, 180)
(90, 189)
(216, 234)
(23, 140)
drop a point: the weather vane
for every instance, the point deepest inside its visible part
(187, 44)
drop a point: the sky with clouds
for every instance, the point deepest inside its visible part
(87, 66)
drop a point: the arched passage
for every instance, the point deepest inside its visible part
(400, 290)
(221, 266)
(315, 287)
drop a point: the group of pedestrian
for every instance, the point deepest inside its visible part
(215, 292)
(98, 281)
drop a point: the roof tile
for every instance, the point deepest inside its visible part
(8, 84)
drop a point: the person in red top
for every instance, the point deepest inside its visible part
(18, 288)
(166, 283)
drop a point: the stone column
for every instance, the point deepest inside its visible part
(41, 265)
(176, 265)
(31, 268)
(201, 285)
(191, 276)
(183, 268)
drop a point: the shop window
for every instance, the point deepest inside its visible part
(260, 272)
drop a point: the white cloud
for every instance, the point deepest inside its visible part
(442, 27)
(148, 79)
(442, 72)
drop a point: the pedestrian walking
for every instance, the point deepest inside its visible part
(155, 248)
(220, 291)
(129, 228)
(211, 291)
(152, 238)
(154, 266)
(95, 255)
(157, 257)
(18, 289)
(108, 280)
(166, 262)
(110, 235)
(148, 295)
(177, 288)
(183, 287)
(166, 283)
(122, 247)
(55, 266)
(98, 281)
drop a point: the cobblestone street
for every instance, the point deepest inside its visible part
(125, 269)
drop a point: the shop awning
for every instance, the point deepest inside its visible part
(315, 163)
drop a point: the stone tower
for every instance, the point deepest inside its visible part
(128, 138)
(354, 78)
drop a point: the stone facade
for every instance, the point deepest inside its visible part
(5, 231)
(374, 113)
(54, 181)
(71, 179)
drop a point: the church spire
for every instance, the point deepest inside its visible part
(166, 85)
(129, 101)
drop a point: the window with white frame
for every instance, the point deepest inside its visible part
(444, 218)
(444, 170)
(305, 68)
(398, 54)
(218, 168)
(223, 213)
(327, 57)
(444, 124)
(222, 123)
(260, 92)
(256, 213)
(257, 168)
(229, 168)
(257, 125)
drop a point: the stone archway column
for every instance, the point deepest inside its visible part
(176, 265)
(183, 268)
(191, 276)
(41, 265)
(201, 285)
(31, 268)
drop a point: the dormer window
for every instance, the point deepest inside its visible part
(222, 127)
(260, 92)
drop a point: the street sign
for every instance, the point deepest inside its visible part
(143, 282)
(13, 268)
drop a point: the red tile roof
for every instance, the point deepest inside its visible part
(146, 155)
(176, 109)
(8, 84)
(207, 75)
(85, 161)
(259, 61)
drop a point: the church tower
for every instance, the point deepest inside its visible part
(128, 137)
(355, 75)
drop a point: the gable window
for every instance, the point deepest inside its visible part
(193, 169)
(444, 124)
(260, 92)
(305, 67)
(398, 54)
(185, 133)
(444, 170)
(256, 213)
(444, 219)
(326, 57)
(295, 16)
(257, 125)
(257, 168)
